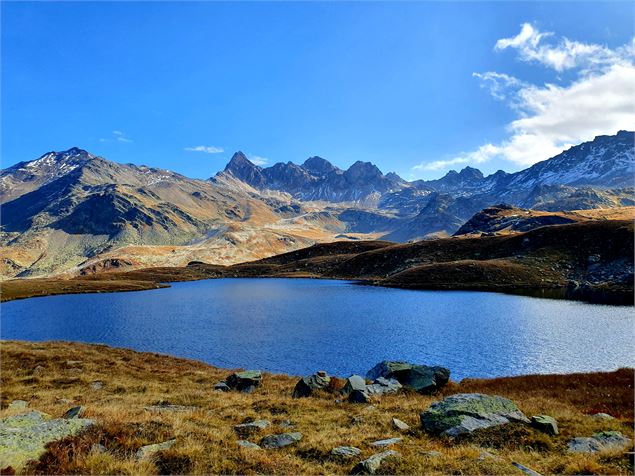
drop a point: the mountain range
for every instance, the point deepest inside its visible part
(74, 212)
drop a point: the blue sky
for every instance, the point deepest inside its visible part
(416, 88)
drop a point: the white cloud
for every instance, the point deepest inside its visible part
(257, 160)
(117, 136)
(208, 149)
(552, 117)
(564, 54)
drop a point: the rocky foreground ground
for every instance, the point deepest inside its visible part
(76, 408)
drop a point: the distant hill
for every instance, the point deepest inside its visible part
(72, 211)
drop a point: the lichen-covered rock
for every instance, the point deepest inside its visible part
(373, 464)
(18, 405)
(245, 430)
(245, 382)
(149, 451)
(467, 412)
(606, 440)
(307, 385)
(545, 423)
(281, 440)
(420, 378)
(346, 451)
(23, 437)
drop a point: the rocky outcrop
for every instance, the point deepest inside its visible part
(606, 440)
(245, 382)
(466, 412)
(307, 385)
(420, 378)
(24, 437)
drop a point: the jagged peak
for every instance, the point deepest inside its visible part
(318, 165)
(239, 160)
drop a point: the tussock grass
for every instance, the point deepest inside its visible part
(206, 442)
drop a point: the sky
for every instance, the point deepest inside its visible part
(418, 88)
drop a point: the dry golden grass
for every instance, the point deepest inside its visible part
(206, 442)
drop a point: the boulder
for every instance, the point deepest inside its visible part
(248, 445)
(352, 383)
(386, 442)
(307, 385)
(606, 440)
(281, 440)
(245, 382)
(245, 430)
(383, 386)
(358, 396)
(420, 378)
(545, 423)
(24, 437)
(466, 412)
(372, 464)
(400, 425)
(149, 451)
(346, 451)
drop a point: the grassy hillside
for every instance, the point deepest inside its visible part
(55, 376)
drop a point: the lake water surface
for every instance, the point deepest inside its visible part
(298, 326)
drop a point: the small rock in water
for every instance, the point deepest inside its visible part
(245, 382)
(605, 440)
(386, 442)
(307, 385)
(248, 445)
(18, 405)
(545, 423)
(97, 385)
(400, 425)
(372, 464)
(346, 451)
(281, 440)
(75, 412)
(245, 430)
(150, 450)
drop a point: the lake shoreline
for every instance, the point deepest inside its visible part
(12, 290)
(142, 398)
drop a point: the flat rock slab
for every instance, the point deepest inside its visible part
(387, 442)
(606, 440)
(245, 430)
(400, 425)
(373, 464)
(466, 412)
(281, 440)
(150, 450)
(24, 437)
(346, 451)
(248, 444)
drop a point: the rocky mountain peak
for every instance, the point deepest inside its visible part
(318, 165)
(470, 173)
(362, 171)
